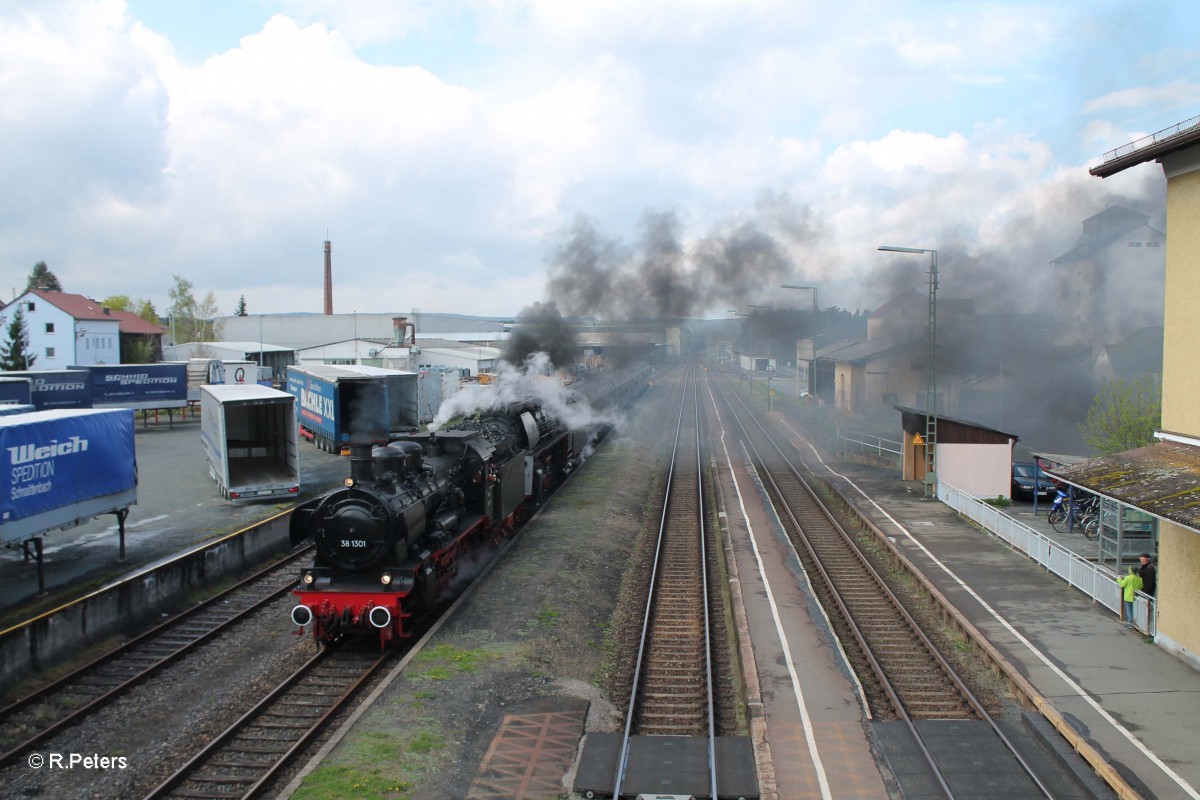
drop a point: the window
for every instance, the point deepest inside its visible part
(32, 306)
(49, 352)
(49, 327)
(1135, 244)
(1153, 244)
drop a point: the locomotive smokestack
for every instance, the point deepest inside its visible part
(362, 469)
(328, 278)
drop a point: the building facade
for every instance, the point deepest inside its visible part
(67, 330)
(1162, 481)
(1111, 282)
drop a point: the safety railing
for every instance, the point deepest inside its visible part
(1154, 138)
(1094, 581)
(885, 449)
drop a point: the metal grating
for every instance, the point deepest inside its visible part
(529, 756)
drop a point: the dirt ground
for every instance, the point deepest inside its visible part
(534, 637)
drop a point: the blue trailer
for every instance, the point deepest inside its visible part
(14, 391)
(56, 388)
(138, 386)
(65, 467)
(336, 404)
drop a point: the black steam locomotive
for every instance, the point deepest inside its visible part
(394, 538)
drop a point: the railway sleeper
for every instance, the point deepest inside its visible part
(254, 735)
(303, 712)
(666, 697)
(222, 777)
(258, 765)
(259, 746)
(284, 726)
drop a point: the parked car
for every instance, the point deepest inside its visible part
(1024, 476)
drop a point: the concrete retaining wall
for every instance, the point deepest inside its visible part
(140, 599)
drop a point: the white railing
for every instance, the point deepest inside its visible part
(864, 443)
(1094, 581)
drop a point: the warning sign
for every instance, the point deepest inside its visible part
(917, 439)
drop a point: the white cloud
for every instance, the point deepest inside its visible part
(898, 152)
(1177, 94)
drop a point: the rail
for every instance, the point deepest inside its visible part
(664, 697)
(1094, 581)
(1154, 138)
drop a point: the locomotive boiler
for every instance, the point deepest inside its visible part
(395, 538)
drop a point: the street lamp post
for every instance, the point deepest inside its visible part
(813, 289)
(931, 388)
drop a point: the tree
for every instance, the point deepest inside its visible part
(14, 354)
(141, 351)
(191, 321)
(240, 309)
(1124, 415)
(145, 309)
(42, 278)
(118, 302)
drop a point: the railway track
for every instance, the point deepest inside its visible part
(36, 717)
(672, 691)
(901, 670)
(246, 756)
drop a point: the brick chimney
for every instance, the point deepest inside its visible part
(328, 278)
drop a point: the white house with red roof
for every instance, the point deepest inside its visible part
(68, 330)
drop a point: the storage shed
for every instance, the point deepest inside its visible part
(971, 457)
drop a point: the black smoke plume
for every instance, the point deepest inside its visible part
(666, 277)
(541, 328)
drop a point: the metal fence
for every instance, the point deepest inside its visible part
(885, 449)
(1154, 138)
(1094, 581)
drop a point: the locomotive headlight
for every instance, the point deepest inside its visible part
(309, 578)
(386, 578)
(349, 482)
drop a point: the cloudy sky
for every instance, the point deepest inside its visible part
(452, 151)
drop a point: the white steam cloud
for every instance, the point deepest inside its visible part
(534, 380)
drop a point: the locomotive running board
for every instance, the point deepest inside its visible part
(667, 765)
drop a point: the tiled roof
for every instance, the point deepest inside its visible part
(81, 307)
(867, 349)
(1161, 479)
(76, 305)
(132, 323)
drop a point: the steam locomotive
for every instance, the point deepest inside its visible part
(392, 541)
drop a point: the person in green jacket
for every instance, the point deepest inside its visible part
(1130, 583)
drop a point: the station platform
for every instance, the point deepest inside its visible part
(1135, 703)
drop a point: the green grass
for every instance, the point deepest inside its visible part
(376, 764)
(547, 617)
(349, 783)
(444, 661)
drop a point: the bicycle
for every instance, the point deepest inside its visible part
(1068, 513)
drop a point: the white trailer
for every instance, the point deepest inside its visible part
(251, 441)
